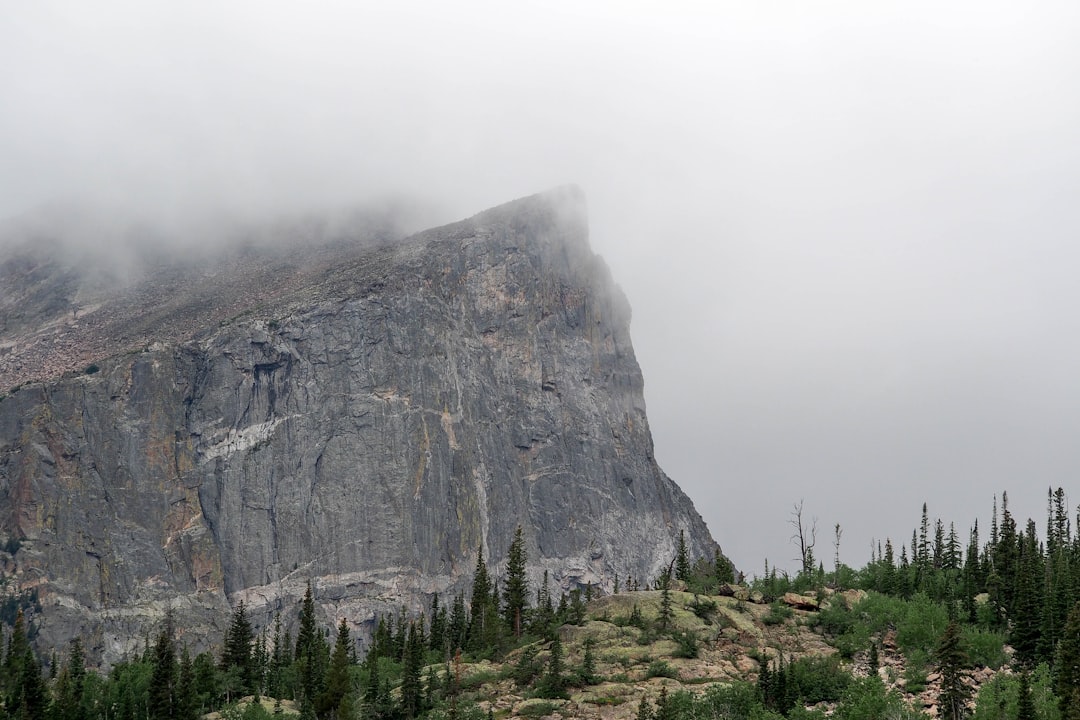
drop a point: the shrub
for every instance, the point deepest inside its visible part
(687, 645)
(661, 668)
(536, 710)
(818, 679)
(91, 369)
(704, 608)
(778, 613)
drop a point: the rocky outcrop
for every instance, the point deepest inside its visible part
(367, 430)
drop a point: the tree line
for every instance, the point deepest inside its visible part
(411, 669)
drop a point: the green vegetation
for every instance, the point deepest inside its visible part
(916, 621)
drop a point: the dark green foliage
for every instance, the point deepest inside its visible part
(336, 687)
(164, 683)
(950, 660)
(236, 658)
(682, 559)
(686, 644)
(778, 613)
(91, 369)
(587, 673)
(666, 615)
(553, 683)
(516, 592)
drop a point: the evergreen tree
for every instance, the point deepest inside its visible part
(458, 624)
(516, 593)
(437, 636)
(682, 559)
(481, 601)
(588, 663)
(411, 687)
(307, 635)
(951, 659)
(70, 685)
(1025, 705)
(1028, 599)
(236, 657)
(553, 683)
(163, 694)
(1067, 667)
(187, 707)
(34, 695)
(666, 612)
(337, 684)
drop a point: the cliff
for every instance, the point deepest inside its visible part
(364, 421)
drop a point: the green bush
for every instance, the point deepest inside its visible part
(818, 679)
(778, 613)
(91, 369)
(687, 645)
(984, 647)
(536, 710)
(661, 668)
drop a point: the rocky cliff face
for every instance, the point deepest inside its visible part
(366, 429)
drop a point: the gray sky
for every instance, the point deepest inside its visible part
(848, 229)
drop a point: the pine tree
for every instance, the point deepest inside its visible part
(187, 707)
(1067, 666)
(951, 659)
(236, 659)
(666, 612)
(34, 696)
(458, 624)
(336, 685)
(588, 663)
(1025, 705)
(682, 559)
(411, 687)
(481, 601)
(1028, 599)
(516, 593)
(163, 698)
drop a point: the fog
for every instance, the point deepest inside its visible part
(848, 230)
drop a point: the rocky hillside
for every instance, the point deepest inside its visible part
(363, 416)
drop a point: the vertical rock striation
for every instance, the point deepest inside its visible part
(367, 431)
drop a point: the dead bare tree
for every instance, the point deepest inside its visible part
(806, 537)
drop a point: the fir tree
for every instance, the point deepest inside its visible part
(682, 559)
(666, 612)
(236, 658)
(1025, 705)
(411, 687)
(336, 685)
(481, 601)
(187, 703)
(163, 698)
(1067, 667)
(951, 659)
(516, 592)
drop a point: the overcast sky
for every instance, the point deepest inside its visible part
(848, 230)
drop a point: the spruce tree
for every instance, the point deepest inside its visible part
(411, 687)
(236, 658)
(1025, 705)
(951, 659)
(336, 685)
(516, 592)
(682, 559)
(162, 700)
(1067, 667)
(481, 601)
(666, 612)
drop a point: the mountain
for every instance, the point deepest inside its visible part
(363, 415)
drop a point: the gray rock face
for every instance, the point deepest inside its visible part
(366, 431)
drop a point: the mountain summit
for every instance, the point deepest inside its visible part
(364, 416)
